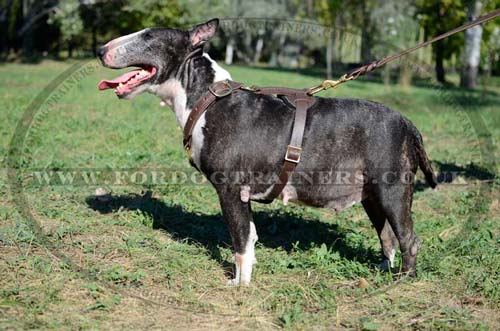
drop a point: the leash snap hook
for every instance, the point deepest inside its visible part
(326, 84)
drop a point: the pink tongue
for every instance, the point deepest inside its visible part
(106, 84)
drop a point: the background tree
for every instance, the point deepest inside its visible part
(327, 13)
(24, 28)
(330, 34)
(472, 46)
(490, 43)
(437, 17)
(67, 17)
(397, 30)
(368, 29)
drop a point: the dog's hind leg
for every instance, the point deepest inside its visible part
(396, 201)
(238, 217)
(386, 235)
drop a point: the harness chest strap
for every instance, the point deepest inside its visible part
(216, 90)
(302, 102)
(299, 98)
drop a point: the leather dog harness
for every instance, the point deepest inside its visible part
(297, 97)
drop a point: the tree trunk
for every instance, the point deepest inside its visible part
(472, 46)
(27, 36)
(366, 35)
(405, 74)
(386, 75)
(366, 54)
(258, 47)
(298, 56)
(281, 43)
(339, 38)
(440, 74)
(248, 50)
(94, 39)
(329, 56)
(439, 47)
(229, 51)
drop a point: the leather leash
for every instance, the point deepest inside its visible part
(376, 64)
(299, 98)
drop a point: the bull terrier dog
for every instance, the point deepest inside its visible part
(247, 133)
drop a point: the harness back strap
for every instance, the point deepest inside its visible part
(299, 98)
(302, 102)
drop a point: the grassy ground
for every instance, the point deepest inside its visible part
(157, 256)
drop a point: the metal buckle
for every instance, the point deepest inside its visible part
(224, 92)
(187, 145)
(187, 148)
(252, 88)
(293, 148)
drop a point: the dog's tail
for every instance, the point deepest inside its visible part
(425, 166)
(423, 161)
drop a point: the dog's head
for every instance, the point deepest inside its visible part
(157, 52)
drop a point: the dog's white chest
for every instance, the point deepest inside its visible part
(173, 94)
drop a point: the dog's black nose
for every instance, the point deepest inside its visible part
(101, 51)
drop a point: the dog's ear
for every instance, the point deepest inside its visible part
(203, 32)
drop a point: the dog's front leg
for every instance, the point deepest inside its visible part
(238, 217)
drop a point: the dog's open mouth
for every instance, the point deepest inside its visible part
(125, 83)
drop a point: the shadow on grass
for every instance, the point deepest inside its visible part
(275, 230)
(472, 100)
(449, 172)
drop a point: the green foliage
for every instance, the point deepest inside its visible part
(490, 44)
(13, 21)
(327, 11)
(156, 12)
(437, 17)
(67, 17)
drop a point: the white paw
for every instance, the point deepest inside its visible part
(232, 282)
(245, 193)
(235, 282)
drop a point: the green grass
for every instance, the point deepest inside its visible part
(158, 255)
